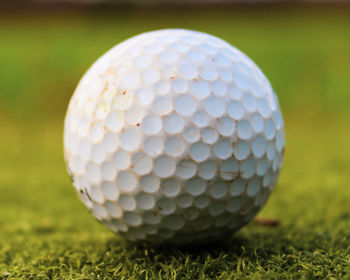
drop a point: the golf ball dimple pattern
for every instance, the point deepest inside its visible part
(174, 136)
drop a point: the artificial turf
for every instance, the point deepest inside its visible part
(46, 232)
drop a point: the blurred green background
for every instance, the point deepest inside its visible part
(47, 233)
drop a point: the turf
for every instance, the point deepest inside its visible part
(46, 232)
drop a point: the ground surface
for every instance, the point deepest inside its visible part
(46, 232)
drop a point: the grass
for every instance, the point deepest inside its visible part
(46, 232)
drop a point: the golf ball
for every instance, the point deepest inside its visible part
(174, 136)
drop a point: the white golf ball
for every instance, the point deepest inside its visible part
(174, 136)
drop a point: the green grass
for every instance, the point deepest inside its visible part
(47, 233)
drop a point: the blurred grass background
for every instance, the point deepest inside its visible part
(303, 50)
(47, 233)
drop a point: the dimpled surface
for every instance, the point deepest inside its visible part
(174, 136)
